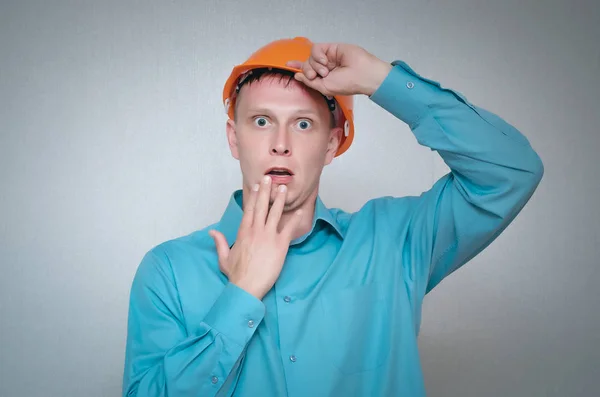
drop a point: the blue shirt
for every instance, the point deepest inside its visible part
(343, 318)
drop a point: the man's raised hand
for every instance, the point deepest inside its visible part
(256, 259)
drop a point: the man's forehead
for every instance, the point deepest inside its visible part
(276, 82)
(276, 90)
(273, 88)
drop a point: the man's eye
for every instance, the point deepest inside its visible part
(304, 124)
(260, 121)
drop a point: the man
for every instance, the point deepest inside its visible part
(285, 297)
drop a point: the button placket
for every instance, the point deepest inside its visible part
(287, 299)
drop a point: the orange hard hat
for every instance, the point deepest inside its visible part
(275, 55)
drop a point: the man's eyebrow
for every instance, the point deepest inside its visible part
(307, 111)
(268, 111)
(258, 110)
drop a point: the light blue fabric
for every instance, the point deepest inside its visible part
(344, 316)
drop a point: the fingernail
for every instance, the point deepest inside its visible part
(266, 179)
(255, 187)
(282, 188)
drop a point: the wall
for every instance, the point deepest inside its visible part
(112, 141)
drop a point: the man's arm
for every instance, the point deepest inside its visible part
(166, 358)
(493, 173)
(163, 357)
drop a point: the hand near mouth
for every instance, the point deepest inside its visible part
(256, 259)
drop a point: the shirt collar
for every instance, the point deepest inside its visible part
(232, 217)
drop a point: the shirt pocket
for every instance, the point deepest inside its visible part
(354, 331)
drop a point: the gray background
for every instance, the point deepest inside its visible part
(112, 140)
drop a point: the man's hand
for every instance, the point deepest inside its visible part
(341, 69)
(256, 259)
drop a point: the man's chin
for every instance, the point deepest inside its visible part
(290, 203)
(288, 206)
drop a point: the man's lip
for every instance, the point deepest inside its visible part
(281, 179)
(279, 168)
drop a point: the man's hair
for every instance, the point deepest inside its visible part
(284, 76)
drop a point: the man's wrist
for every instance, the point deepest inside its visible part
(376, 73)
(256, 292)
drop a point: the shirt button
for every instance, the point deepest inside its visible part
(410, 85)
(250, 323)
(293, 358)
(214, 379)
(287, 299)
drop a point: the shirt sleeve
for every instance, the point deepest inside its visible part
(493, 173)
(162, 357)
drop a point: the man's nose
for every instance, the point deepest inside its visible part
(281, 143)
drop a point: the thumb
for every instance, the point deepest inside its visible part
(221, 245)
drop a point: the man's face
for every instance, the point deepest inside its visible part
(283, 130)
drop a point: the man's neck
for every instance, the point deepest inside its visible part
(308, 213)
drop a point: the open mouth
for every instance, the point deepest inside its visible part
(277, 171)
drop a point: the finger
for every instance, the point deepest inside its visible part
(294, 64)
(262, 204)
(316, 84)
(222, 248)
(308, 71)
(333, 56)
(304, 67)
(318, 54)
(249, 207)
(277, 208)
(290, 228)
(319, 68)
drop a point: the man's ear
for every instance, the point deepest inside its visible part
(232, 139)
(335, 137)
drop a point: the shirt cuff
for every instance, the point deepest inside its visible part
(236, 314)
(409, 96)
